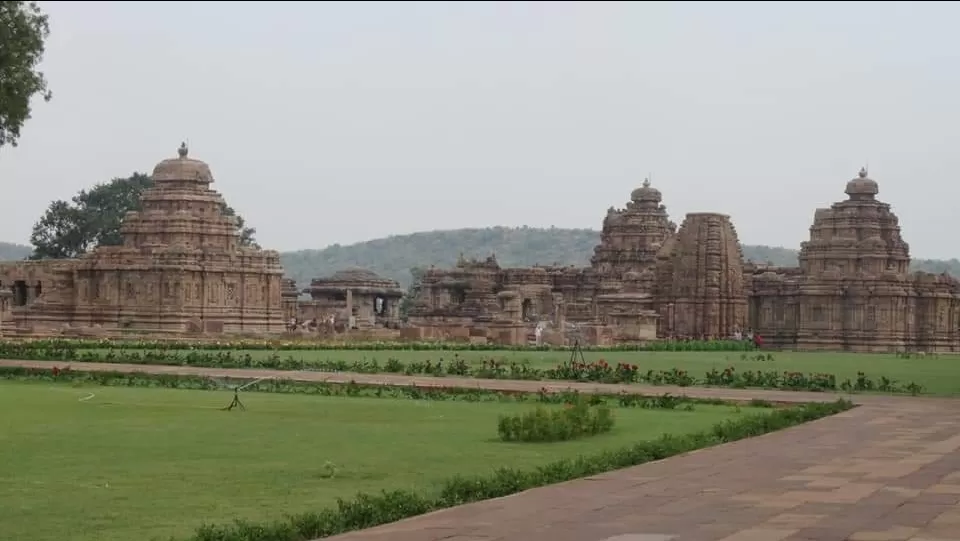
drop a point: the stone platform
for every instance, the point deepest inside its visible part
(888, 470)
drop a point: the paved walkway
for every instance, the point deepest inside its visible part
(888, 470)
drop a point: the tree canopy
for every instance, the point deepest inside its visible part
(23, 32)
(93, 217)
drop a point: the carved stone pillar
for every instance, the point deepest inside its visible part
(5, 297)
(351, 321)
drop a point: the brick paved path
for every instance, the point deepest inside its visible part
(888, 470)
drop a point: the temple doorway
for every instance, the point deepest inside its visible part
(19, 293)
(526, 310)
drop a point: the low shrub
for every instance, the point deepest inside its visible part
(368, 510)
(577, 419)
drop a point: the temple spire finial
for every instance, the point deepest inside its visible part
(646, 182)
(863, 172)
(183, 150)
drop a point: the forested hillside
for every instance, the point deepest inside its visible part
(12, 252)
(394, 256)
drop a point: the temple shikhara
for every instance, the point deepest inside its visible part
(182, 271)
(648, 279)
(853, 290)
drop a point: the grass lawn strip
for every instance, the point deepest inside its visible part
(168, 473)
(365, 510)
(91, 462)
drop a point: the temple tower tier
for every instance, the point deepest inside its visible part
(632, 236)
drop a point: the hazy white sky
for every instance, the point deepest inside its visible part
(340, 122)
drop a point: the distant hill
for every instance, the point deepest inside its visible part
(13, 252)
(394, 256)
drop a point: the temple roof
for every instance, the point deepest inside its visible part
(182, 168)
(862, 187)
(646, 193)
(355, 276)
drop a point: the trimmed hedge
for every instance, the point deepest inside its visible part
(368, 510)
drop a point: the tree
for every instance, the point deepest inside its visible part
(92, 218)
(23, 31)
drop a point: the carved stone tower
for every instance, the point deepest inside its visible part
(631, 237)
(855, 293)
(859, 235)
(181, 268)
(700, 279)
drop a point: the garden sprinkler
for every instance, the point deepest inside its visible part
(236, 403)
(577, 351)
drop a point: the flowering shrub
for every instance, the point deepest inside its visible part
(576, 420)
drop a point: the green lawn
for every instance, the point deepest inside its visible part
(114, 464)
(938, 375)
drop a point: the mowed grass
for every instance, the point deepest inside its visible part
(112, 464)
(938, 375)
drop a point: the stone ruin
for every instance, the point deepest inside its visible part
(853, 290)
(350, 300)
(647, 279)
(180, 271)
(650, 280)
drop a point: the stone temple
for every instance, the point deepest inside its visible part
(853, 290)
(180, 271)
(649, 279)
(358, 298)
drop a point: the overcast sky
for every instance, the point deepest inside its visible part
(340, 122)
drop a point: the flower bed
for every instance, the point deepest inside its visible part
(599, 371)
